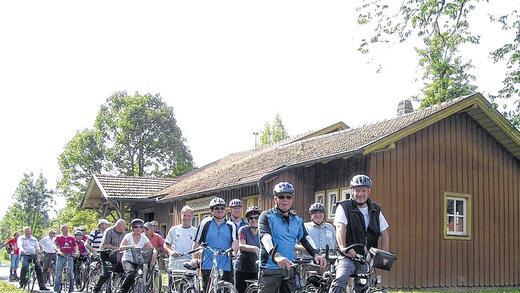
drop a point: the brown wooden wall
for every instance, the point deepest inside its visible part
(454, 155)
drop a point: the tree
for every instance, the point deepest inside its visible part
(510, 52)
(274, 132)
(442, 26)
(31, 205)
(142, 137)
(132, 135)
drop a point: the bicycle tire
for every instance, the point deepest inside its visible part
(180, 285)
(93, 277)
(32, 280)
(223, 287)
(51, 274)
(155, 284)
(252, 288)
(81, 279)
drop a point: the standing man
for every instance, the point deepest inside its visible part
(236, 213)
(14, 252)
(94, 238)
(29, 249)
(66, 247)
(156, 240)
(156, 228)
(357, 220)
(180, 240)
(111, 240)
(49, 252)
(321, 232)
(280, 230)
(218, 234)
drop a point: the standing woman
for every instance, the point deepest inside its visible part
(134, 239)
(246, 267)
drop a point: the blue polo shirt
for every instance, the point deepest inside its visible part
(217, 237)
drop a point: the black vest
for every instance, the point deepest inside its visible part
(356, 232)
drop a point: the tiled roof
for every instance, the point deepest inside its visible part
(121, 187)
(247, 167)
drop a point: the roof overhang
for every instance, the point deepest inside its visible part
(478, 108)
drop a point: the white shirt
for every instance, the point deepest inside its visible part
(29, 245)
(47, 244)
(181, 240)
(127, 255)
(342, 218)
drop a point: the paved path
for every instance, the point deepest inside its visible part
(4, 277)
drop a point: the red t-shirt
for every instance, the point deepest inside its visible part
(66, 244)
(14, 246)
(157, 241)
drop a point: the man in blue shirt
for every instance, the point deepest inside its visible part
(280, 230)
(217, 233)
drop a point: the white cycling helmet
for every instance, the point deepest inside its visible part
(217, 201)
(235, 203)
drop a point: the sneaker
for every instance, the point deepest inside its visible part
(45, 289)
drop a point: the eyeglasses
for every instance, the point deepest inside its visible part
(219, 208)
(135, 227)
(252, 218)
(156, 226)
(284, 196)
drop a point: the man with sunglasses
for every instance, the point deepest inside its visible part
(236, 213)
(245, 265)
(280, 230)
(156, 228)
(217, 233)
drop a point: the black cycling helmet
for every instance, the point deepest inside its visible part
(316, 207)
(361, 180)
(283, 187)
(136, 221)
(252, 210)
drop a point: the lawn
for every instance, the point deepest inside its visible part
(6, 287)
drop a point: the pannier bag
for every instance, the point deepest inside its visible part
(381, 259)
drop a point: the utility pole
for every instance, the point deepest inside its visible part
(255, 133)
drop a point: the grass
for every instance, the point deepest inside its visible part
(8, 288)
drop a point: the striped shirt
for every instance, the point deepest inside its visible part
(94, 238)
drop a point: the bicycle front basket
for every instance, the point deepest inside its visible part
(142, 256)
(381, 259)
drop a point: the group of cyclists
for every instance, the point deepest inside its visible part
(264, 244)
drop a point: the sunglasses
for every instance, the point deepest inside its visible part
(156, 226)
(284, 196)
(219, 208)
(135, 227)
(252, 218)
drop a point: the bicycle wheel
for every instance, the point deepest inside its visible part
(50, 276)
(81, 279)
(92, 279)
(155, 284)
(116, 281)
(223, 287)
(179, 285)
(32, 280)
(252, 288)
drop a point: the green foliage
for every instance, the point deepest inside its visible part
(74, 217)
(8, 288)
(273, 132)
(141, 136)
(30, 207)
(442, 26)
(510, 52)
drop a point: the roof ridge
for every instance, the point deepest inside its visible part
(135, 177)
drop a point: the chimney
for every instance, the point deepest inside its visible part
(404, 107)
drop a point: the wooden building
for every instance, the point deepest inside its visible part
(447, 178)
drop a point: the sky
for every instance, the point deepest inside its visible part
(226, 67)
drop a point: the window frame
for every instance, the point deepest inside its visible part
(466, 199)
(330, 215)
(344, 191)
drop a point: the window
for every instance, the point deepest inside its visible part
(345, 193)
(249, 201)
(319, 197)
(332, 198)
(457, 216)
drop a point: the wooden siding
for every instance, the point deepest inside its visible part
(456, 155)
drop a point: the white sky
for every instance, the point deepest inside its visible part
(225, 66)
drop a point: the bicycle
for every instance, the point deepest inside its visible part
(144, 280)
(116, 277)
(95, 269)
(50, 271)
(215, 284)
(30, 274)
(182, 280)
(81, 272)
(367, 263)
(66, 284)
